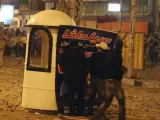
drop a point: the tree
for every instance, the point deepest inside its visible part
(71, 7)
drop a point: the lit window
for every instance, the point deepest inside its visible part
(95, 8)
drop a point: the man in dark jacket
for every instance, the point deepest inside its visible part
(96, 66)
(113, 86)
(74, 63)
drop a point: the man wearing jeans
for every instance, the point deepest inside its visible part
(113, 86)
(97, 73)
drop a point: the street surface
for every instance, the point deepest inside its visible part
(142, 103)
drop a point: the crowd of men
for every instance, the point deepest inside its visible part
(105, 71)
(14, 40)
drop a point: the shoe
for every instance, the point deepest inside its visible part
(80, 114)
(93, 118)
(72, 112)
(61, 112)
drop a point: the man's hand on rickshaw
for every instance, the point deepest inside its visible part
(60, 69)
(89, 78)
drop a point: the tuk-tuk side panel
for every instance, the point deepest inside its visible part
(39, 91)
(39, 87)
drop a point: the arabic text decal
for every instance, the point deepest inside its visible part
(80, 35)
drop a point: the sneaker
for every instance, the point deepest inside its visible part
(93, 118)
(81, 114)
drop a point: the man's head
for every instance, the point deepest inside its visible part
(102, 47)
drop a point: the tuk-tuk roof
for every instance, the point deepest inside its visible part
(50, 18)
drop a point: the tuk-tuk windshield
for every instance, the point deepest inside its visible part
(39, 53)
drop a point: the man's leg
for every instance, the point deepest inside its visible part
(60, 102)
(38, 50)
(24, 50)
(91, 102)
(71, 100)
(20, 51)
(32, 50)
(80, 98)
(5, 51)
(8, 50)
(16, 50)
(109, 96)
(121, 101)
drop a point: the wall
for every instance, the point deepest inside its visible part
(138, 62)
(141, 27)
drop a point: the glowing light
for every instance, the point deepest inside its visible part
(114, 7)
(7, 14)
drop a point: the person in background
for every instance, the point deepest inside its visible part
(12, 32)
(96, 65)
(113, 85)
(74, 64)
(36, 44)
(19, 43)
(23, 42)
(3, 40)
(12, 44)
(145, 46)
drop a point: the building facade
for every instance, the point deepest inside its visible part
(100, 8)
(34, 4)
(93, 9)
(146, 11)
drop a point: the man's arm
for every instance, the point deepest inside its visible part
(62, 60)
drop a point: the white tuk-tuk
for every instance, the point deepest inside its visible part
(48, 31)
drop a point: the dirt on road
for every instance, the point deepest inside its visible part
(140, 105)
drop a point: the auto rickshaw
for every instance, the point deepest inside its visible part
(48, 31)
